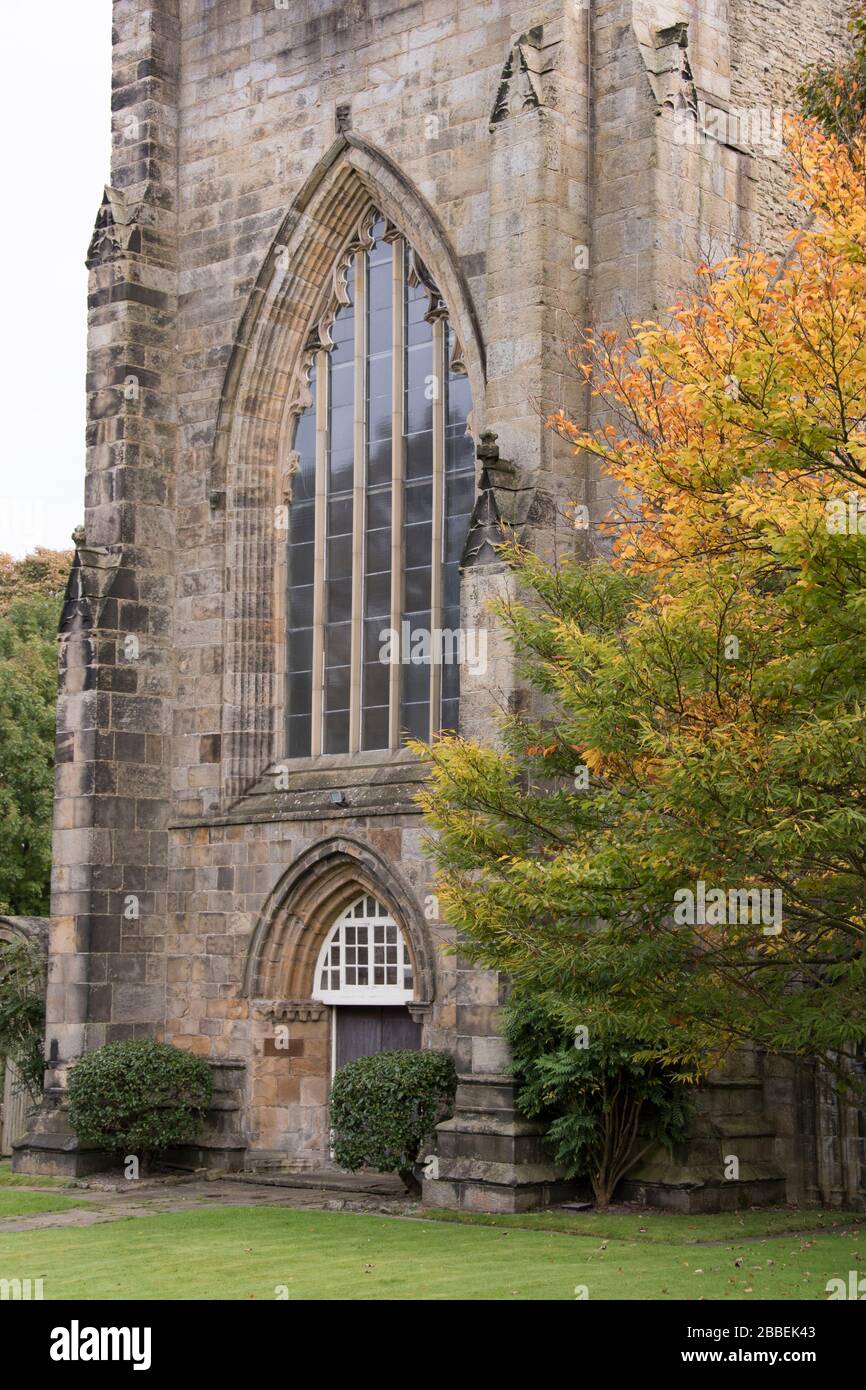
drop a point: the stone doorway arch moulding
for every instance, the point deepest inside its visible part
(262, 393)
(302, 908)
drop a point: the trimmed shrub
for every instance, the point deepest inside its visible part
(138, 1097)
(384, 1107)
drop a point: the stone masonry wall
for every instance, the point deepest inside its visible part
(773, 42)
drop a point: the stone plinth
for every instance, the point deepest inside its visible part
(489, 1157)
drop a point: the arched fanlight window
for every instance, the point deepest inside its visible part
(365, 959)
(383, 489)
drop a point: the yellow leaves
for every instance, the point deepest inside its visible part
(594, 759)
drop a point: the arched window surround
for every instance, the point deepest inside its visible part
(304, 904)
(249, 472)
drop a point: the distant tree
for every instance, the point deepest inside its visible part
(43, 572)
(22, 1007)
(30, 599)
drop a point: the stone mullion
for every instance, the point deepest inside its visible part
(323, 385)
(397, 450)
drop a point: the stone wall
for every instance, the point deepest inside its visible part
(772, 47)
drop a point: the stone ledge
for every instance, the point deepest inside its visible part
(704, 1197)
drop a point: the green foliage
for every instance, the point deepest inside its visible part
(694, 711)
(569, 885)
(836, 96)
(28, 695)
(605, 1106)
(138, 1097)
(22, 1008)
(384, 1107)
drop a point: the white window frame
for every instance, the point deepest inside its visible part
(336, 938)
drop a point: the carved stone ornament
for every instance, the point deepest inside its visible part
(337, 296)
(117, 229)
(519, 89)
(420, 275)
(289, 1010)
(505, 498)
(666, 58)
(287, 473)
(523, 83)
(93, 570)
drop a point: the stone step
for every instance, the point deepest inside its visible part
(472, 1184)
(322, 1179)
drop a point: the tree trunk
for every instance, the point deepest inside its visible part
(602, 1191)
(410, 1182)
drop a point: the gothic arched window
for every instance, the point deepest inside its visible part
(382, 492)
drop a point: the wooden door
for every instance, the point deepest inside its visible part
(363, 1030)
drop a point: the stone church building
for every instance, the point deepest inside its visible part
(333, 280)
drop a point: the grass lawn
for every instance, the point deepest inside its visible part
(14, 1202)
(247, 1252)
(10, 1179)
(662, 1226)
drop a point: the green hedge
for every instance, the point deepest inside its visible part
(138, 1097)
(384, 1107)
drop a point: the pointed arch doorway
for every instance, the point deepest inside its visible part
(365, 975)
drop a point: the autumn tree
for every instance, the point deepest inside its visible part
(42, 573)
(674, 849)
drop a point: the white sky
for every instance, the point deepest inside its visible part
(55, 124)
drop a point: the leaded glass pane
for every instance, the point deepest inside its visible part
(299, 607)
(365, 950)
(339, 473)
(354, 708)
(379, 365)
